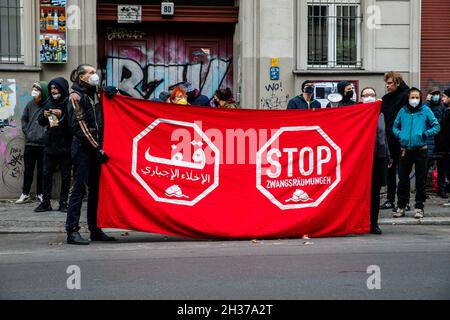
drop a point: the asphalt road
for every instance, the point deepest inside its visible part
(414, 263)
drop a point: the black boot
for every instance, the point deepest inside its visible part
(376, 230)
(100, 236)
(76, 239)
(63, 207)
(44, 207)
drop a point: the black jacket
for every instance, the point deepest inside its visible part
(443, 137)
(393, 102)
(57, 140)
(34, 133)
(87, 121)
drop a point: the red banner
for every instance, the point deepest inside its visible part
(237, 174)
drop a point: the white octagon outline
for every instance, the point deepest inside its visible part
(203, 136)
(270, 196)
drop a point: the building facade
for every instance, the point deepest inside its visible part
(262, 49)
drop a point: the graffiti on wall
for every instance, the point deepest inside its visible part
(274, 97)
(147, 82)
(13, 164)
(11, 141)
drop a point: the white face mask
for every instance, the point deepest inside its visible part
(414, 103)
(94, 80)
(56, 96)
(35, 93)
(369, 99)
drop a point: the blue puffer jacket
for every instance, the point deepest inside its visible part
(414, 126)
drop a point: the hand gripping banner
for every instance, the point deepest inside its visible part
(237, 174)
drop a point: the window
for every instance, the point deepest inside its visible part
(11, 49)
(334, 34)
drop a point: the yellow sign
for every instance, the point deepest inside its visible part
(275, 62)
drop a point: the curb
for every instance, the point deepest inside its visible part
(382, 222)
(414, 222)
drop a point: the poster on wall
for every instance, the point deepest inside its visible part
(7, 99)
(53, 31)
(324, 88)
(129, 14)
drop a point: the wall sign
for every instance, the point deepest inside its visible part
(53, 31)
(129, 14)
(167, 8)
(275, 73)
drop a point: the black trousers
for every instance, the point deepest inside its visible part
(33, 156)
(395, 151)
(443, 173)
(378, 180)
(50, 164)
(86, 172)
(418, 159)
(444, 166)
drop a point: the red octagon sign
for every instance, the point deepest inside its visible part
(180, 172)
(298, 167)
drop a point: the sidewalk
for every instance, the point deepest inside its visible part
(22, 219)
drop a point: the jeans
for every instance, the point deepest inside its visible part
(418, 158)
(33, 156)
(86, 172)
(50, 163)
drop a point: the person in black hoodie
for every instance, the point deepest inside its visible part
(86, 121)
(381, 162)
(57, 142)
(393, 102)
(345, 89)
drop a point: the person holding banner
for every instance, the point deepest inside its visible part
(223, 98)
(86, 121)
(414, 124)
(179, 96)
(306, 100)
(345, 89)
(382, 160)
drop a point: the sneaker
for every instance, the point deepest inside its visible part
(387, 205)
(407, 209)
(40, 198)
(400, 213)
(43, 208)
(418, 213)
(447, 204)
(24, 198)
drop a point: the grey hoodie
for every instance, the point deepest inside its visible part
(33, 131)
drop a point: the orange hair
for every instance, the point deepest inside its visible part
(176, 91)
